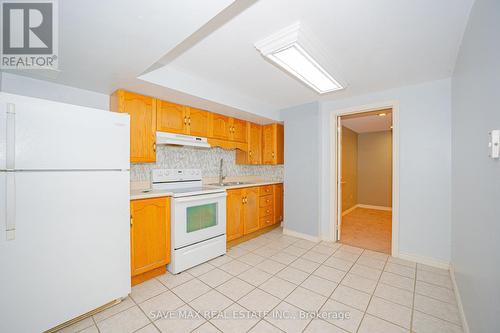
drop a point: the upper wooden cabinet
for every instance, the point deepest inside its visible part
(175, 118)
(220, 127)
(171, 117)
(142, 111)
(253, 153)
(273, 141)
(238, 130)
(255, 144)
(149, 235)
(198, 122)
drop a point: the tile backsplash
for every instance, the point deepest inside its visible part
(170, 157)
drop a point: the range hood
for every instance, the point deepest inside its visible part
(163, 138)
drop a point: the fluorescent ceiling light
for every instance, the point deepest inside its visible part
(286, 49)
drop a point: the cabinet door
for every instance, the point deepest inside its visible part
(255, 144)
(142, 111)
(251, 223)
(238, 130)
(149, 234)
(278, 202)
(280, 144)
(171, 117)
(269, 144)
(220, 127)
(198, 122)
(234, 214)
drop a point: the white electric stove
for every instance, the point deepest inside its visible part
(198, 217)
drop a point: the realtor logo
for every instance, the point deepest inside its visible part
(29, 34)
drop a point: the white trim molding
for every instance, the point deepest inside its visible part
(465, 325)
(334, 215)
(424, 260)
(347, 211)
(292, 233)
(374, 207)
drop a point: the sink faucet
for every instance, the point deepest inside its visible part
(221, 177)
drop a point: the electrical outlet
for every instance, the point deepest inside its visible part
(494, 144)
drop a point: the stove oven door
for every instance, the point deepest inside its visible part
(198, 218)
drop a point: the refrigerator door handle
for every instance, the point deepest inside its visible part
(11, 137)
(10, 205)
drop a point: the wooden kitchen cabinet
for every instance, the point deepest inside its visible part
(142, 111)
(251, 209)
(238, 130)
(234, 214)
(171, 117)
(149, 237)
(278, 203)
(175, 118)
(242, 212)
(220, 127)
(273, 142)
(198, 122)
(253, 153)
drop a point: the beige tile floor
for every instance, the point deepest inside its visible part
(287, 275)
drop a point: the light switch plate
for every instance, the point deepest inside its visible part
(494, 143)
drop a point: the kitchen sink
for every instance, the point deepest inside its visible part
(230, 183)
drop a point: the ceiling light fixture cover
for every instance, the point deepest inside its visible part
(295, 50)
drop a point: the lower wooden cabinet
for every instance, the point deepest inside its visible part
(252, 208)
(278, 203)
(234, 214)
(149, 237)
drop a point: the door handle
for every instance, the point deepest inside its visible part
(11, 137)
(131, 220)
(10, 205)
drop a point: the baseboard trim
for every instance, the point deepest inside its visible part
(374, 207)
(292, 233)
(425, 260)
(465, 325)
(347, 211)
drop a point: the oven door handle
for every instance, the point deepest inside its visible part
(201, 197)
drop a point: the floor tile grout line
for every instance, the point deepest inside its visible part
(371, 297)
(338, 284)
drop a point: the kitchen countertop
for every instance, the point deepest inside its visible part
(136, 194)
(140, 194)
(249, 184)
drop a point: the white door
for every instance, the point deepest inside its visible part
(71, 252)
(58, 136)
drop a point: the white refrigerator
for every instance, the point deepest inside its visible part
(64, 211)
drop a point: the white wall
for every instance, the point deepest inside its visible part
(425, 166)
(23, 85)
(302, 169)
(475, 241)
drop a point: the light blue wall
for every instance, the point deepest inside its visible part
(475, 176)
(302, 168)
(425, 165)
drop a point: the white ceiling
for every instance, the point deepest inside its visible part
(369, 123)
(202, 53)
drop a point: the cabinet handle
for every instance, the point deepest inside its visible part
(131, 221)
(189, 121)
(185, 120)
(272, 154)
(154, 146)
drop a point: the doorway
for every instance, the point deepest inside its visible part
(365, 179)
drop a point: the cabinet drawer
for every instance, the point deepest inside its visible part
(266, 221)
(266, 211)
(266, 190)
(266, 201)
